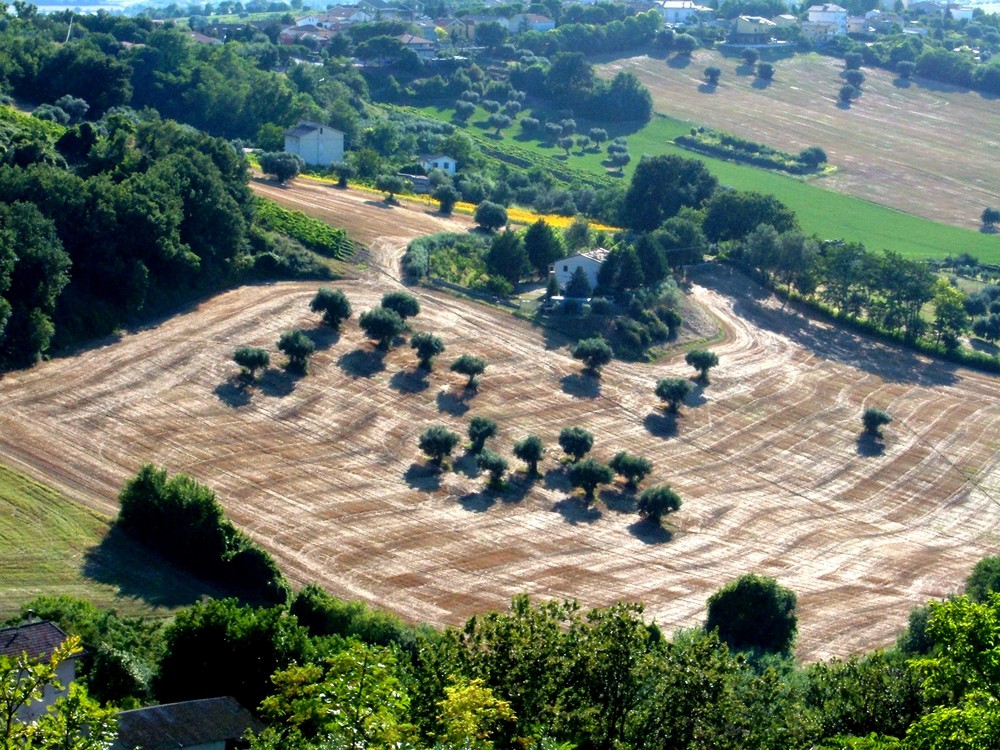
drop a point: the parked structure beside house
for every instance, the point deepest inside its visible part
(590, 261)
(208, 724)
(438, 161)
(317, 144)
(38, 640)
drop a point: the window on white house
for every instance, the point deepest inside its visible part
(565, 268)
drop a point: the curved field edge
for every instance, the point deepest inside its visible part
(324, 470)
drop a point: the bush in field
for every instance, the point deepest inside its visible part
(712, 75)
(427, 346)
(438, 442)
(404, 304)
(656, 502)
(765, 71)
(481, 429)
(382, 326)
(530, 450)
(855, 78)
(633, 468)
(250, 359)
(471, 366)
(494, 464)
(575, 442)
(490, 216)
(673, 391)
(333, 304)
(873, 420)
(594, 353)
(588, 474)
(754, 612)
(750, 56)
(298, 348)
(282, 164)
(702, 360)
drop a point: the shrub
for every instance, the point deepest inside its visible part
(438, 442)
(873, 420)
(575, 442)
(656, 502)
(250, 359)
(754, 612)
(297, 347)
(333, 304)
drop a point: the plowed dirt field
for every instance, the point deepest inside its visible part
(324, 470)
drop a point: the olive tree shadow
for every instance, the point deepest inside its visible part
(406, 381)
(902, 83)
(661, 424)
(557, 479)
(278, 383)
(648, 531)
(466, 466)
(868, 445)
(576, 510)
(234, 392)
(425, 477)
(478, 502)
(138, 573)
(449, 403)
(517, 488)
(707, 88)
(618, 499)
(361, 363)
(679, 61)
(760, 83)
(323, 336)
(581, 385)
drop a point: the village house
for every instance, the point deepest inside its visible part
(425, 49)
(828, 15)
(438, 161)
(522, 22)
(208, 724)
(317, 144)
(38, 640)
(682, 11)
(590, 261)
(753, 30)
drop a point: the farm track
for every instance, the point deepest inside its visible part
(924, 148)
(324, 470)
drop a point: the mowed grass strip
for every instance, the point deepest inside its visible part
(51, 545)
(825, 213)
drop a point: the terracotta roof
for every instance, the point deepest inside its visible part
(180, 725)
(38, 639)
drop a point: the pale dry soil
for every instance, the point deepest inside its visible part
(324, 470)
(925, 148)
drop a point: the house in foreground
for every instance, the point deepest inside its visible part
(38, 640)
(590, 261)
(317, 144)
(438, 161)
(208, 724)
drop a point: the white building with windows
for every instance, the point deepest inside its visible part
(590, 261)
(317, 144)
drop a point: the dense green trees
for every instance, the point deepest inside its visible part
(182, 520)
(490, 216)
(754, 612)
(543, 246)
(507, 257)
(984, 580)
(283, 165)
(661, 186)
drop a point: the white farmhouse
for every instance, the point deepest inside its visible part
(590, 261)
(682, 11)
(439, 161)
(830, 15)
(317, 144)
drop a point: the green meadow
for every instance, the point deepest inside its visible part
(825, 213)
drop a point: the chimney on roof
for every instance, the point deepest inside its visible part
(31, 616)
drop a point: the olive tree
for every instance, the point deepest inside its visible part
(750, 56)
(990, 217)
(530, 450)
(712, 75)
(490, 216)
(471, 366)
(754, 612)
(593, 352)
(656, 502)
(390, 184)
(427, 346)
(438, 442)
(673, 391)
(575, 442)
(481, 429)
(633, 468)
(297, 347)
(873, 420)
(702, 360)
(282, 164)
(588, 474)
(404, 304)
(333, 304)
(494, 464)
(250, 359)
(382, 325)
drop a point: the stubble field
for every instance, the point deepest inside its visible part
(324, 470)
(924, 148)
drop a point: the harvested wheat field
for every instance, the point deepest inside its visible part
(925, 148)
(324, 470)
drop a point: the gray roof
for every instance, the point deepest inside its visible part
(37, 639)
(180, 725)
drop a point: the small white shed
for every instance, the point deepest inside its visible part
(590, 261)
(439, 161)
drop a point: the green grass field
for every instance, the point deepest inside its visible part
(826, 213)
(51, 545)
